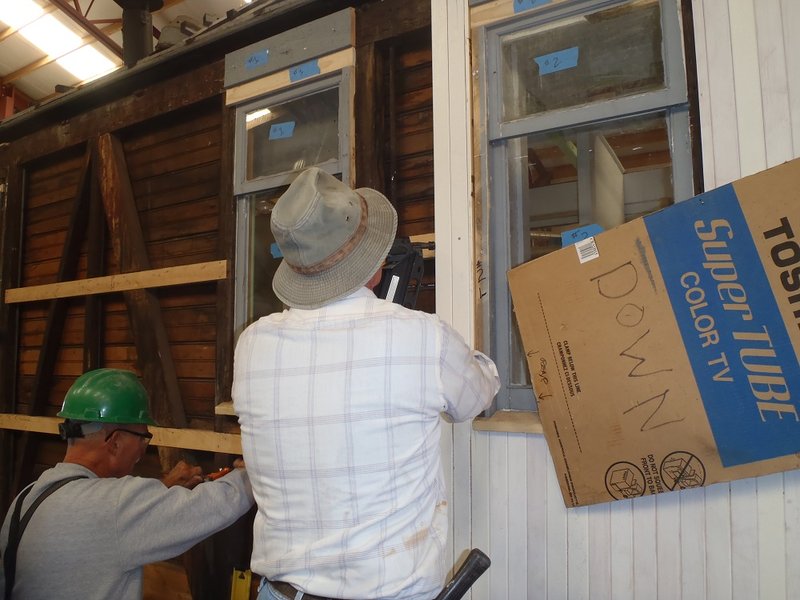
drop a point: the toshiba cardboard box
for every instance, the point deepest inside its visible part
(664, 352)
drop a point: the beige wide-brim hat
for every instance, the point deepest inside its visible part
(333, 239)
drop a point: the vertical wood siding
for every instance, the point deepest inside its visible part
(739, 540)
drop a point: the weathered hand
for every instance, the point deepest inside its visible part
(183, 474)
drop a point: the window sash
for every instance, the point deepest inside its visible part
(341, 80)
(499, 329)
(246, 191)
(673, 93)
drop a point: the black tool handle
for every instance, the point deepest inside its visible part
(475, 565)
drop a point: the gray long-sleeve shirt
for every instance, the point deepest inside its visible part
(91, 538)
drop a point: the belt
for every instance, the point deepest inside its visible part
(288, 590)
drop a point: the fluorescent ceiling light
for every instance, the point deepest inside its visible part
(18, 13)
(51, 36)
(55, 39)
(86, 63)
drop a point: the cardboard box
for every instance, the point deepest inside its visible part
(668, 358)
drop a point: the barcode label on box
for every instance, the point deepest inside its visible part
(587, 250)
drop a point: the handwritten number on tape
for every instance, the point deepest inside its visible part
(573, 236)
(523, 5)
(281, 131)
(257, 59)
(307, 69)
(558, 61)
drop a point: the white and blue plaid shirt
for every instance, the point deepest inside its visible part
(340, 416)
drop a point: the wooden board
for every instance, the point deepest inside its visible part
(166, 276)
(187, 439)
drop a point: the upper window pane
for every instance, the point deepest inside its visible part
(583, 59)
(293, 135)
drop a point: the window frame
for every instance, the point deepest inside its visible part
(247, 191)
(673, 101)
(340, 79)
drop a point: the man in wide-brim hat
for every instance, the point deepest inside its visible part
(339, 400)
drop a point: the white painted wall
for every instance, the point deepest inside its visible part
(739, 540)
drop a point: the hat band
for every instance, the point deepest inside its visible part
(346, 248)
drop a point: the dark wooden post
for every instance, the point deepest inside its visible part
(95, 267)
(149, 334)
(56, 316)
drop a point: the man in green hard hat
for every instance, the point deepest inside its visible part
(86, 527)
(114, 401)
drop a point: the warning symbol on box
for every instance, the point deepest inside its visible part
(624, 480)
(682, 470)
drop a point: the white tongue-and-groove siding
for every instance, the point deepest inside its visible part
(739, 540)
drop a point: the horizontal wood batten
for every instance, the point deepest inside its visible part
(225, 408)
(510, 421)
(186, 439)
(207, 271)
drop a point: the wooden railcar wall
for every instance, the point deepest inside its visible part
(409, 165)
(407, 168)
(180, 164)
(174, 166)
(177, 141)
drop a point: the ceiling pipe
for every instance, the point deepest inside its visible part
(137, 28)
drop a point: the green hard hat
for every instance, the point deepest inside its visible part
(107, 396)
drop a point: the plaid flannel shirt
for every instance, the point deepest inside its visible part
(340, 417)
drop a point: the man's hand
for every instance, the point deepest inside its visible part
(184, 475)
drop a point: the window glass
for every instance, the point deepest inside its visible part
(277, 137)
(293, 135)
(264, 257)
(262, 254)
(583, 59)
(604, 174)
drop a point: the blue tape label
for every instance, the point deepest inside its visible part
(280, 131)
(558, 61)
(742, 358)
(257, 59)
(307, 69)
(572, 236)
(275, 251)
(523, 5)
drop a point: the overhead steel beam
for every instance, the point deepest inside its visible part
(88, 26)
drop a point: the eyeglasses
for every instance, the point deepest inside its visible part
(146, 436)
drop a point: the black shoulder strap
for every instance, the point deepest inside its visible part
(17, 526)
(9, 561)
